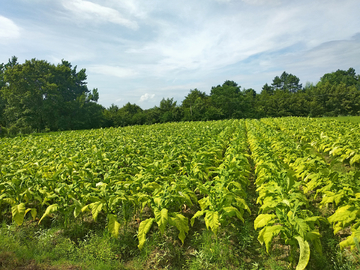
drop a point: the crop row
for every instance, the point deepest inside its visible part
(119, 173)
(337, 190)
(335, 138)
(284, 209)
(176, 174)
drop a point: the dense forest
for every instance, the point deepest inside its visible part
(38, 96)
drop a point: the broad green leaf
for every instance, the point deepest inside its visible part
(18, 213)
(301, 226)
(144, 228)
(342, 217)
(77, 209)
(232, 211)
(161, 218)
(267, 234)
(33, 213)
(9, 201)
(351, 240)
(157, 201)
(312, 235)
(113, 225)
(204, 203)
(304, 253)
(85, 208)
(212, 220)
(197, 214)
(181, 223)
(355, 159)
(263, 220)
(242, 204)
(96, 208)
(50, 209)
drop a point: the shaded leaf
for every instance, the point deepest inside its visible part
(113, 225)
(18, 213)
(50, 209)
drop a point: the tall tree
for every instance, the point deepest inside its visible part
(287, 82)
(347, 77)
(28, 92)
(250, 103)
(170, 112)
(228, 99)
(40, 95)
(195, 105)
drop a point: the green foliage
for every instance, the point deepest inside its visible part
(304, 253)
(283, 205)
(287, 83)
(18, 213)
(37, 95)
(228, 99)
(144, 228)
(150, 181)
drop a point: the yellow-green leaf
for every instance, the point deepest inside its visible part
(77, 209)
(212, 220)
(197, 214)
(18, 213)
(50, 209)
(263, 220)
(204, 203)
(304, 253)
(350, 241)
(161, 218)
(33, 213)
(232, 211)
(267, 234)
(144, 228)
(113, 225)
(96, 208)
(355, 159)
(181, 223)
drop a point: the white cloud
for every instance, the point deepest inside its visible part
(114, 71)
(94, 12)
(8, 29)
(136, 8)
(182, 45)
(146, 97)
(262, 2)
(234, 35)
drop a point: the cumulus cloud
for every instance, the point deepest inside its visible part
(91, 11)
(146, 97)
(8, 29)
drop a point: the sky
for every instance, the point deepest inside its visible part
(141, 51)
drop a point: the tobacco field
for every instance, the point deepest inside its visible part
(275, 193)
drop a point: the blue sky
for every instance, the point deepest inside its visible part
(142, 51)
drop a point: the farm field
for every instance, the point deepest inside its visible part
(280, 193)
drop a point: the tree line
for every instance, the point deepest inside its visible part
(38, 96)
